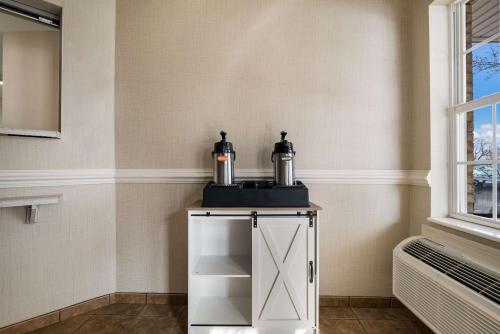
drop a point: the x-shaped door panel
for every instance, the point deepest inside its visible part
(281, 264)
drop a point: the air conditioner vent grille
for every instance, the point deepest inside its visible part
(474, 278)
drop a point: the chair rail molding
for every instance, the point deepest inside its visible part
(55, 177)
(66, 177)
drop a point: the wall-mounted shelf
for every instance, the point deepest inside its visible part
(31, 202)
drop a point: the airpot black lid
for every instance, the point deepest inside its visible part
(223, 146)
(284, 146)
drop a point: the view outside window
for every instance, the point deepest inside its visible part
(482, 78)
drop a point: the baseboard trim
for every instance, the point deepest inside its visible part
(170, 299)
(56, 316)
(359, 301)
(149, 298)
(68, 177)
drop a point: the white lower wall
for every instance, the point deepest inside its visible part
(359, 226)
(66, 258)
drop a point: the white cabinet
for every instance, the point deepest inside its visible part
(253, 270)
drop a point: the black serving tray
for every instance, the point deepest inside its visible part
(256, 194)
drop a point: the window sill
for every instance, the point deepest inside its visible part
(468, 227)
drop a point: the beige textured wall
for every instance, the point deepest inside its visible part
(87, 96)
(419, 84)
(152, 236)
(420, 208)
(30, 90)
(332, 73)
(70, 256)
(335, 74)
(359, 228)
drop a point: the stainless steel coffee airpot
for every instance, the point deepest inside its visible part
(282, 158)
(223, 157)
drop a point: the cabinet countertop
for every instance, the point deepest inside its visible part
(196, 206)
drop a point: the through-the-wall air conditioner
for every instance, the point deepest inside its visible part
(447, 291)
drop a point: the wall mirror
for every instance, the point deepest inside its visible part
(30, 68)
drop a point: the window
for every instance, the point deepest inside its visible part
(476, 111)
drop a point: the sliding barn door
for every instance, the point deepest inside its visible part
(283, 273)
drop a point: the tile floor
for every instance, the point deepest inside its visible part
(152, 319)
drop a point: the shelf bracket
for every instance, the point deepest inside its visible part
(31, 214)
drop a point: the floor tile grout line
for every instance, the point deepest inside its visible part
(362, 326)
(173, 327)
(81, 325)
(355, 314)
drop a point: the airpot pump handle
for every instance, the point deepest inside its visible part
(223, 135)
(283, 134)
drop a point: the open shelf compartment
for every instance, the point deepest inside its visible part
(217, 310)
(220, 270)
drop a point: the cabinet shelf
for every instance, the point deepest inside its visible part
(223, 266)
(223, 311)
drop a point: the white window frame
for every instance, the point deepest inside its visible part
(458, 109)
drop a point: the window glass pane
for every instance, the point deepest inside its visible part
(479, 190)
(498, 184)
(479, 134)
(481, 19)
(483, 71)
(498, 130)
